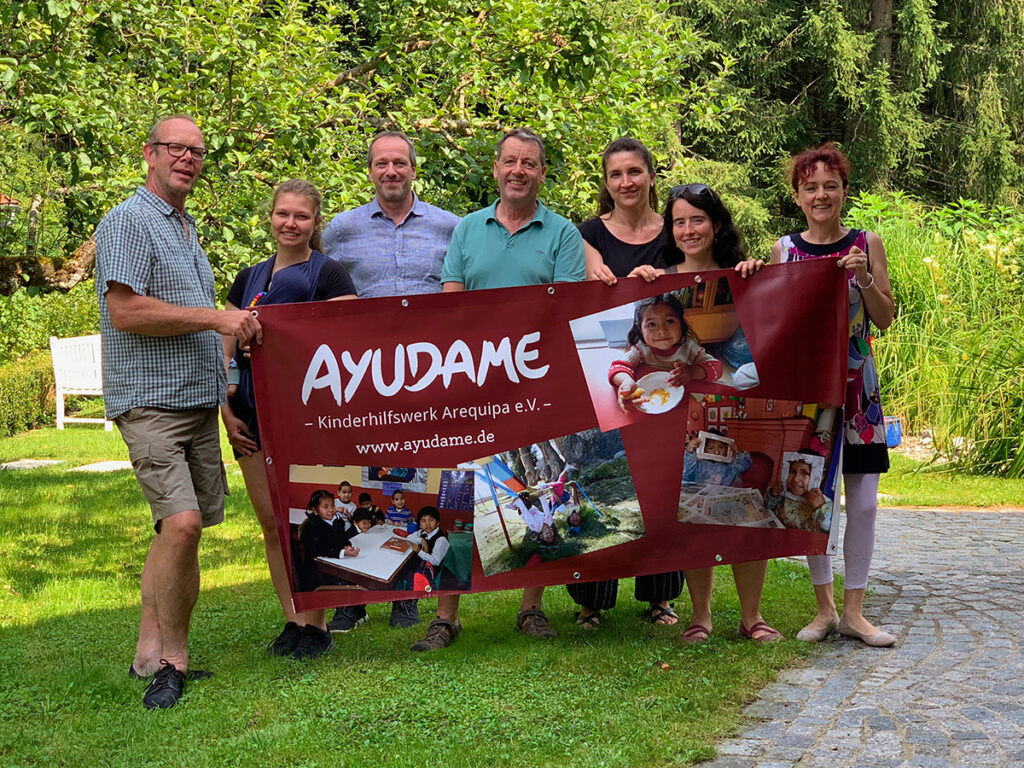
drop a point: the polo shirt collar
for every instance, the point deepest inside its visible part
(154, 200)
(539, 215)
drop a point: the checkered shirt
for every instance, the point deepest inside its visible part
(387, 260)
(141, 243)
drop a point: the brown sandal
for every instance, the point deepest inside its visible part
(696, 633)
(534, 622)
(440, 634)
(770, 635)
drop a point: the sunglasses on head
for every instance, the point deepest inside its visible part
(696, 189)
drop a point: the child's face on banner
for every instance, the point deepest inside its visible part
(364, 525)
(345, 493)
(799, 479)
(428, 524)
(325, 509)
(661, 328)
(716, 447)
(398, 499)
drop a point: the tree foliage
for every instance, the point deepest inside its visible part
(297, 88)
(924, 95)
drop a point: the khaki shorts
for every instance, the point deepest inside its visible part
(177, 460)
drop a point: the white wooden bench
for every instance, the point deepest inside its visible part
(77, 370)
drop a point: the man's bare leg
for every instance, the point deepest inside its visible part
(174, 565)
(448, 607)
(149, 649)
(532, 597)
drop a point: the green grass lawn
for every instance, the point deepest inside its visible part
(71, 552)
(917, 484)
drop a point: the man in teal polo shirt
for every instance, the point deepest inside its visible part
(516, 241)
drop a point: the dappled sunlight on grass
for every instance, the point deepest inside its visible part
(71, 552)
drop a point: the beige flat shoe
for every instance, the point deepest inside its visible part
(876, 640)
(809, 635)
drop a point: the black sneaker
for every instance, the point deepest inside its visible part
(313, 643)
(286, 643)
(405, 613)
(165, 690)
(347, 618)
(191, 675)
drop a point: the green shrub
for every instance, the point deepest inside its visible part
(26, 393)
(952, 360)
(28, 318)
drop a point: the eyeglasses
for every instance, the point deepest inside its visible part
(696, 189)
(175, 149)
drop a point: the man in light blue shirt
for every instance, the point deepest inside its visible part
(392, 246)
(395, 244)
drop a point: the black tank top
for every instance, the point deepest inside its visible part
(621, 258)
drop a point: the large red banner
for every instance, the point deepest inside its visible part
(501, 409)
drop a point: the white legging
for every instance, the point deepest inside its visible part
(859, 538)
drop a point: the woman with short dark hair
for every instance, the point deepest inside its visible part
(820, 181)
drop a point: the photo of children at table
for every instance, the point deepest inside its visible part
(366, 502)
(801, 504)
(661, 339)
(398, 514)
(430, 543)
(321, 535)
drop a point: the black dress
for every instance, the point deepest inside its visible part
(622, 258)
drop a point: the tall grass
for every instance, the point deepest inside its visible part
(953, 361)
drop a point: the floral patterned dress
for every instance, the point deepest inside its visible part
(864, 449)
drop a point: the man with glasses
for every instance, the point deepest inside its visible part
(163, 382)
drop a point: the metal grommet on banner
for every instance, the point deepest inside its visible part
(697, 279)
(551, 290)
(576, 576)
(405, 302)
(718, 558)
(269, 460)
(254, 312)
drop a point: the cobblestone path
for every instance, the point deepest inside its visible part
(950, 586)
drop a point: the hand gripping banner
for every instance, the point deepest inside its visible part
(489, 440)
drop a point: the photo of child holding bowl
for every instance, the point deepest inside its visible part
(660, 339)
